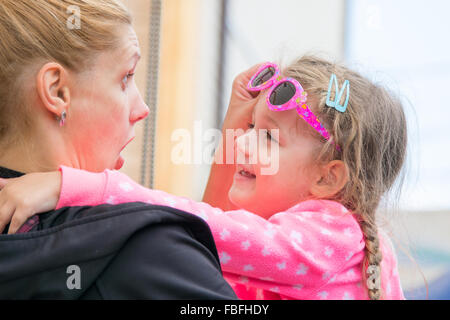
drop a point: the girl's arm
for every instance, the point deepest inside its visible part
(239, 115)
(305, 245)
(21, 198)
(219, 182)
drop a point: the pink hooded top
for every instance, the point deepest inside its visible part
(313, 250)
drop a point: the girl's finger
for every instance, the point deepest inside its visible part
(244, 78)
(3, 183)
(6, 212)
(18, 219)
(252, 70)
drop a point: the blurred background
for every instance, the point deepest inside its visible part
(193, 49)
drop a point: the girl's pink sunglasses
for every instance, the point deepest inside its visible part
(284, 94)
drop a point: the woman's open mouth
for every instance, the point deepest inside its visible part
(127, 143)
(121, 161)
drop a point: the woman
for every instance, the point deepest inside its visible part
(68, 97)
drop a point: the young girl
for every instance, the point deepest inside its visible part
(307, 231)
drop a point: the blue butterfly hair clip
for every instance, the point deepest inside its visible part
(338, 95)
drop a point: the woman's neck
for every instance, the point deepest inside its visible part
(27, 156)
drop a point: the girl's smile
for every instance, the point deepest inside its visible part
(254, 189)
(244, 173)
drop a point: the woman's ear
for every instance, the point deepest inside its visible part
(52, 88)
(331, 179)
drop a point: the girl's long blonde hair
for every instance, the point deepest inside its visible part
(35, 32)
(372, 136)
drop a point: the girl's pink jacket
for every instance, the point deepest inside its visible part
(313, 250)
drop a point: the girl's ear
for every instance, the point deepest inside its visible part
(331, 178)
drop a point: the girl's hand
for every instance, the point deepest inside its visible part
(242, 102)
(23, 197)
(239, 115)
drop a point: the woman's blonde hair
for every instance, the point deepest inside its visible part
(372, 136)
(37, 31)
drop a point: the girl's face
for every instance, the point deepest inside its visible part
(105, 106)
(293, 168)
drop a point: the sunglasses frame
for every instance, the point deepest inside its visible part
(298, 100)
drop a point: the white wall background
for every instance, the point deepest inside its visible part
(405, 43)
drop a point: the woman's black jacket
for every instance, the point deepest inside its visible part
(127, 251)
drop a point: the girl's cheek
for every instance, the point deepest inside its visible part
(269, 160)
(264, 156)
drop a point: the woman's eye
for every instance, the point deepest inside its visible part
(128, 76)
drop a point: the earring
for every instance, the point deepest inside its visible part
(62, 119)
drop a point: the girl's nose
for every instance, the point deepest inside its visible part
(246, 144)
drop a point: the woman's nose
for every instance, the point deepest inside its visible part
(140, 110)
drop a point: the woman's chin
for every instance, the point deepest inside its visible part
(119, 163)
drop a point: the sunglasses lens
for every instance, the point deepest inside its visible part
(263, 76)
(282, 93)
